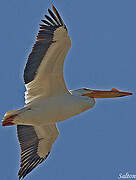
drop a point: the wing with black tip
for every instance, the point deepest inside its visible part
(43, 74)
(36, 143)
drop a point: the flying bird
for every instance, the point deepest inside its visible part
(47, 99)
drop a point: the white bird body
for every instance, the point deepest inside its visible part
(47, 99)
(53, 109)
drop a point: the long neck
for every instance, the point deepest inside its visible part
(83, 101)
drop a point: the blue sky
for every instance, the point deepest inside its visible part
(100, 143)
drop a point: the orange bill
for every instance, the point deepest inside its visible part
(107, 94)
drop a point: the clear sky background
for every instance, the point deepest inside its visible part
(100, 143)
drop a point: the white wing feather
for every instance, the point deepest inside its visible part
(49, 80)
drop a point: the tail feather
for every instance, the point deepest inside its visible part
(10, 113)
(8, 119)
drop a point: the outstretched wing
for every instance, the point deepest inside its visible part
(43, 74)
(36, 143)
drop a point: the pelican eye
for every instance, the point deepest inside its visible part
(86, 89)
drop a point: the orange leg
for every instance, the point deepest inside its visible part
(9, 121)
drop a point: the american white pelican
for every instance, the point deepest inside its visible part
(47, 99)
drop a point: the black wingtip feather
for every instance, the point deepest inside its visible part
(53, 16)
(50, 20)
(57, 14)
(46, 22)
